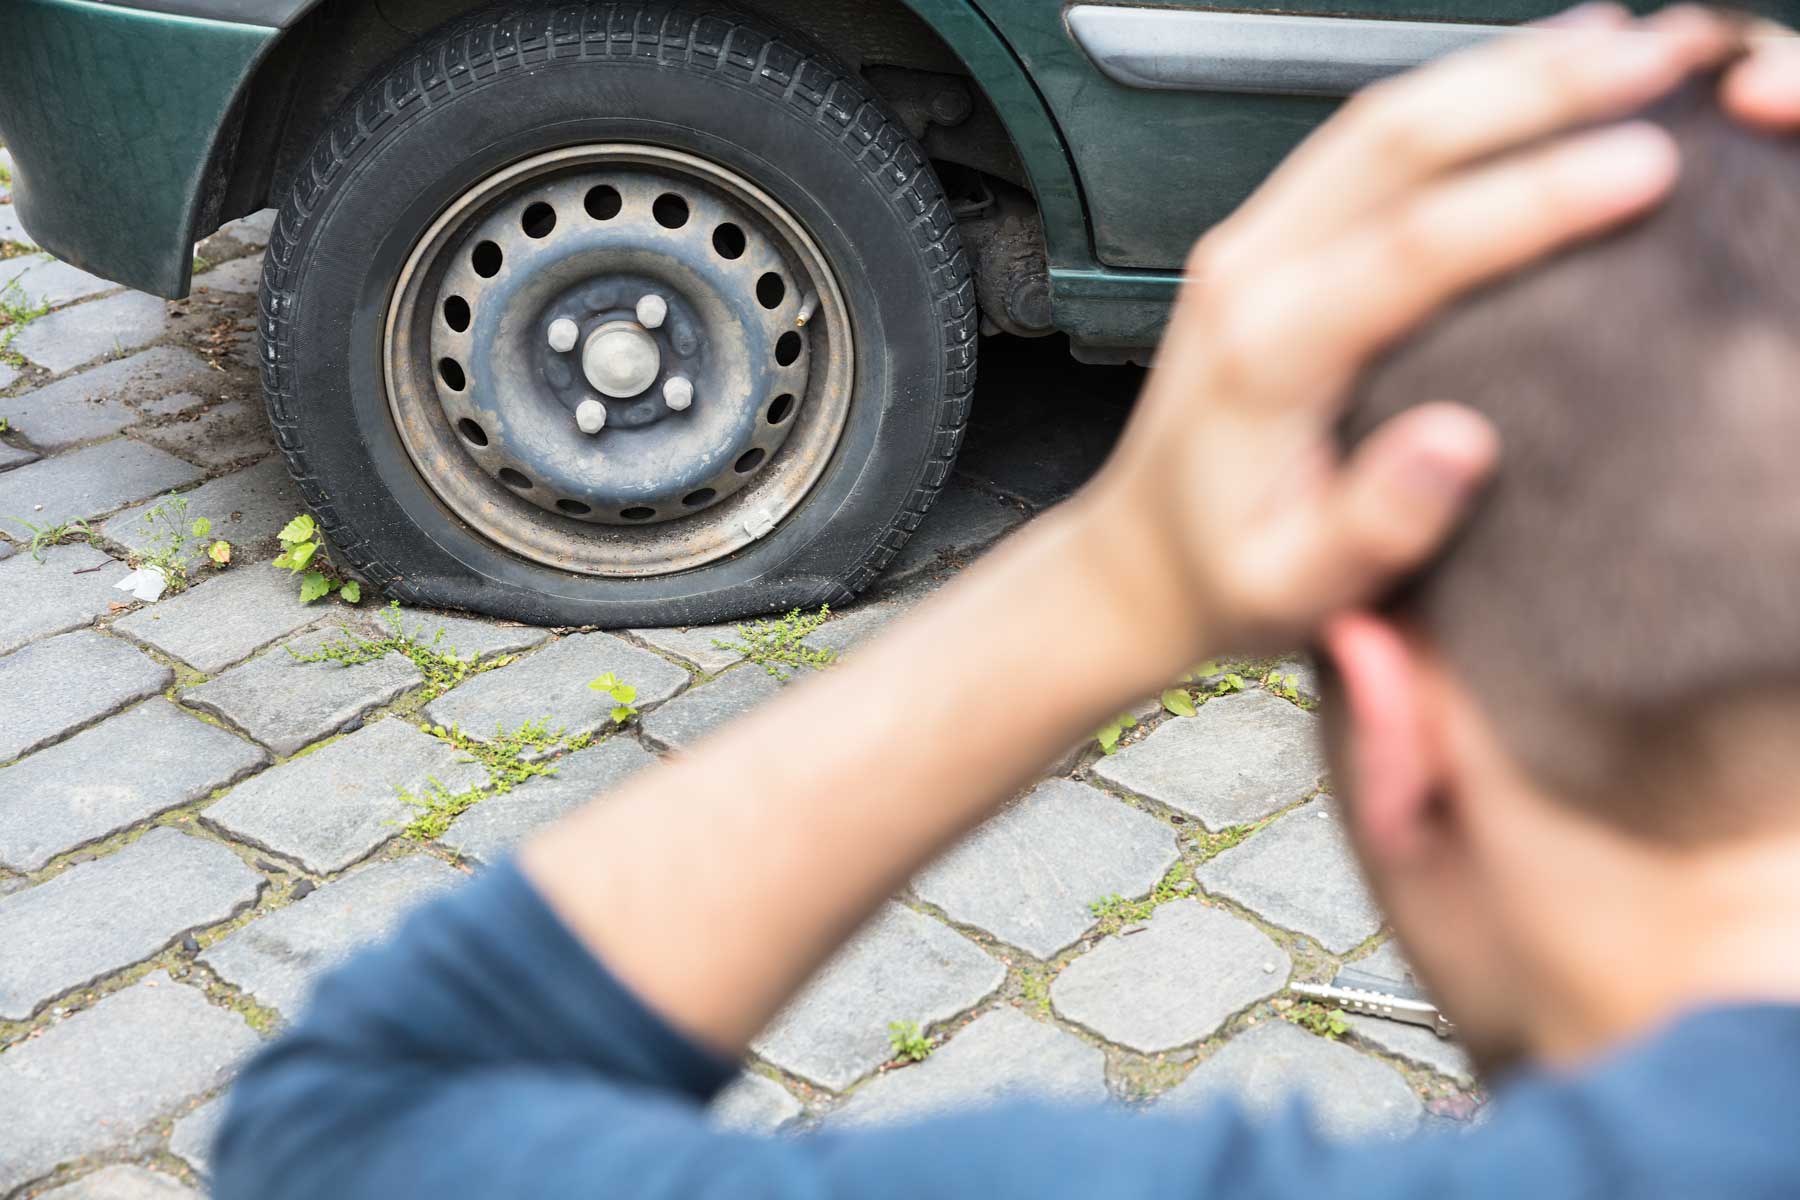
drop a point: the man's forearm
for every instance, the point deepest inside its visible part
(716, 885)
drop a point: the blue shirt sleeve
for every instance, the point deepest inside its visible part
(484, 1053)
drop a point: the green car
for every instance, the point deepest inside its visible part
(621, 314)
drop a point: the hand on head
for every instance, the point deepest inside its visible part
(1422, 187)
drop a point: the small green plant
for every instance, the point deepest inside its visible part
(42, 536)
(1115, 912)
(1108, 735)
(1326, 1022)
(5, 176)
(778, 645)
(1288, 688)
(908, 1042)
(439, 663)
(16, 312)
(172, 539)
(1034, 986)
(300, 553)
(1213, 844)
(1232, 682)
(5, 424)
(508, 759)
(1179, 702)
(621, 693)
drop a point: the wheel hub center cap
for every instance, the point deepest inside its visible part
(621, 359)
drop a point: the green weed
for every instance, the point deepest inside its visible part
(621, 693)
(777, 645)
(908, 1042)
(1326, 1022)
(439, 663)
(76, 530)
(508, 759)
(16, 312)
(300, 546)
(1108, 735)
(172, 540)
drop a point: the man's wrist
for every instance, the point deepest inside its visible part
(1144, 605)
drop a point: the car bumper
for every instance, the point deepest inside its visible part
(113, 116)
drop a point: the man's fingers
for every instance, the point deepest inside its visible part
(1402, 492)
(1469, 229)
(1469, 106)
(1764, 89)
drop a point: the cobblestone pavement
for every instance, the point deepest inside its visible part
(194, 824)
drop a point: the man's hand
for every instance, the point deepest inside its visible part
(1243, 524)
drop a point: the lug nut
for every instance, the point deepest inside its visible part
(590, 415)
(563, 333)
(678, 393)
(651, 310)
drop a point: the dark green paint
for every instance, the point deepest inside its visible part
(111, 115)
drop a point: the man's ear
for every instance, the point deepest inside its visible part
(1384, 744)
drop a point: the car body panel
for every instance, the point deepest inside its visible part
(112, 114)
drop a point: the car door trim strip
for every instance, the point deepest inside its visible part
(1189, 50)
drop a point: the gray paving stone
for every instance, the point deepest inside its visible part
(490, 830)
(105, 779)
(247, 508)
(50, 597)
(6, 550)
(11, 228)
(106, 399)
(92, 1082)
(13, 456)
(86, 483)
(695, 644)
(53, 687)
(754, 1104)
(1239, 759)
(191, 1140)
(50, 281)
(287, 704)
(8, 373)
(1001, 1055)
(278, 958)
(123, 1182)
(863, 620)
(468, 638)
(231, 431)
(1412, 1042)
(72, 336)
(1029, 874)
(699, 710)
(224, 619)
(240, 275)
(963, 520)
(1300, 874)
(1176, 982)
(111, 912)
(342, 802)
(1351, 1094)
(252, 230)
(553, 684)
(902, 966)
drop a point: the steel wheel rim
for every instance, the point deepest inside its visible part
(769, 401)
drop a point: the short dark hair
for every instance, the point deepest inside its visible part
(1638, 552)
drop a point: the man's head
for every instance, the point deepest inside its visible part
(1608, 655)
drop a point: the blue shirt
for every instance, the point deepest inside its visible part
(483, 1053)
